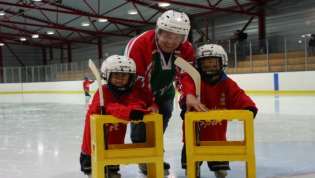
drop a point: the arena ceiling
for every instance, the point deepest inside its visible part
(56, 22)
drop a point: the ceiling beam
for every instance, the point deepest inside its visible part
(246, 5)
(74, 11)
(47, 37)
(114, 8)
(212, 8)
(11, 39)
(58, 26)
(152, 6)
(15, 55)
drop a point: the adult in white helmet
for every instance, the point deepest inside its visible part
(154, 53)
(218, 91)
(121, 99)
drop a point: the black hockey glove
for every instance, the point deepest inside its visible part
(183, 111)
(85, 162)
(136, 115)
(253, 110)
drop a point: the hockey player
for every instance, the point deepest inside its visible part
(154, 53)
(86, 88)
(121, 99)
(218, 91)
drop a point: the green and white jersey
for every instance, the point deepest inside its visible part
(162, 76)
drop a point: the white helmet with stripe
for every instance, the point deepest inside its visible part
(117, 63)
(212, 50)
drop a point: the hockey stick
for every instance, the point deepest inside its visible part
(97, 75)
(194, 74)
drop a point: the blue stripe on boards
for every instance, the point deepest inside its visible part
(276, 81)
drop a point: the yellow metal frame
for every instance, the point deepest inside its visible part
(220, 150)
(150, 152)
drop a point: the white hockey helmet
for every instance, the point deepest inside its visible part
(175, 22)
(117, 63)
(212, 50)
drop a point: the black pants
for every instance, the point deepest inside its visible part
(138, 131)
(86, 93)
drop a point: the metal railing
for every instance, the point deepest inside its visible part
(277, 54)
(45, 73)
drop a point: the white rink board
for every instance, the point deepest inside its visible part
(72, 92)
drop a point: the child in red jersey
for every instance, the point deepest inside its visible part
(121, 99)
(86, 88)
(218, 91)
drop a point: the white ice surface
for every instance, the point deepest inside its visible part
(43, 139)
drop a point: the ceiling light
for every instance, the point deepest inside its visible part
(22, 39)
(37, 0)
(35, 36)
(85, 24)
(306, 35)
(300, 41)
(2, 13)
(1, 44)
(50, 32)
(132, 12)
(164, 4)
(102, 20)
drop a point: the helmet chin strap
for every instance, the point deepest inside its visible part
(212, 78)
(119, 91)
(217, 72)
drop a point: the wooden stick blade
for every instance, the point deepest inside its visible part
(97, 76)
(94, 70)
(192, 72)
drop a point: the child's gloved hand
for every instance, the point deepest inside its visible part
(253, 110)
(136, 115)
(85, 162)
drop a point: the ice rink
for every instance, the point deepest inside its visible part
(43, 139)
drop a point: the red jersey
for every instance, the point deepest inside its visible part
(226, 94)
(144, 51)
(86, 85)
(117, 106)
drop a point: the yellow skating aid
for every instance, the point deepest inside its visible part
(150, 152)
(220, 150)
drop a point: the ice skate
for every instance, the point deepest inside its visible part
(113, 174)
(143, 168)
(220, 173)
